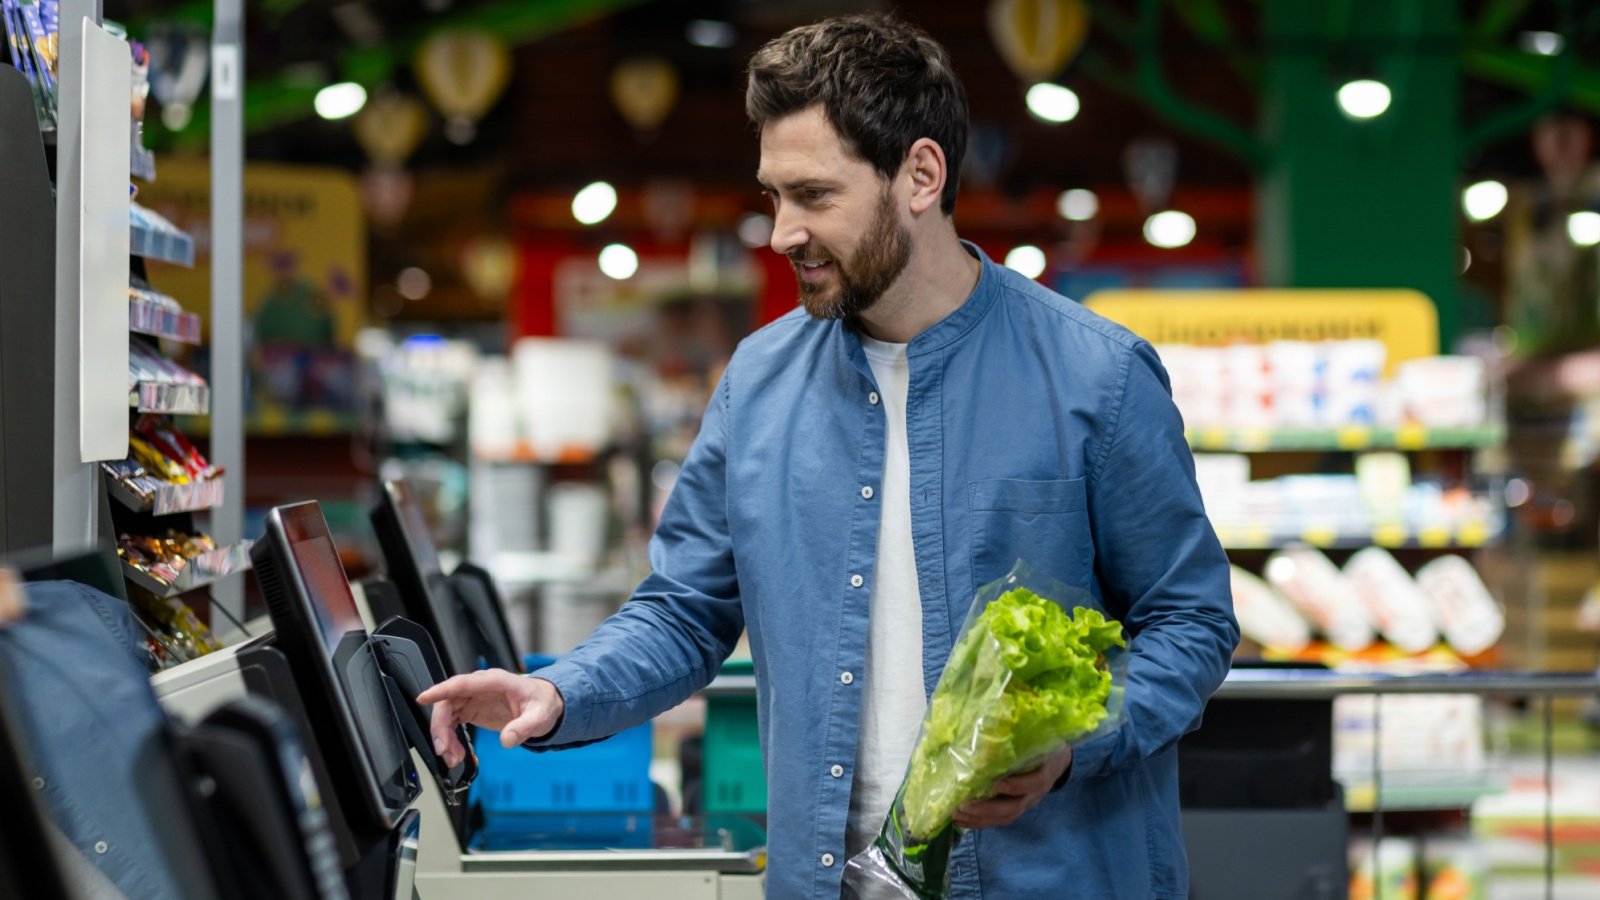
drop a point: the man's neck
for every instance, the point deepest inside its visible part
(938, 278)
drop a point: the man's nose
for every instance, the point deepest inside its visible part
(788, 230)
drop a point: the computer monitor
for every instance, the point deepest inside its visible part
(462, 611)
(320, 631)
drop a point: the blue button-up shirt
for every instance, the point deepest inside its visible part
(1037, 430)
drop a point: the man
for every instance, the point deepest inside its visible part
(865, 464)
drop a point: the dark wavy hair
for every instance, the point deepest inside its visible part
(882, 83)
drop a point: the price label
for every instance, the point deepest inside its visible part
(1354, 437)
(1319, 536)
(1411, 436)
(1389, 534)
(1434, 537)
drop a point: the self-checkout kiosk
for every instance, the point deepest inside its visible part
(352, 690)
(463, 612)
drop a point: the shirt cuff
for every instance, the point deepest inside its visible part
(1090, 758)
(577, 714)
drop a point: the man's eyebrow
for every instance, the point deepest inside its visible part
(800, 183)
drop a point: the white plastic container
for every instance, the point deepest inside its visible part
(1464, 609)
(1322, 594)
(1266, 616)
(1394, 602)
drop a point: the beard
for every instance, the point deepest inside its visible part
(857, 285)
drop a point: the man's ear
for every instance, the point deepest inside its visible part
(925, 164)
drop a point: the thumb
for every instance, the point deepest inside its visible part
(533, 722)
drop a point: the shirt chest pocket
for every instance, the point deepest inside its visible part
(1043, 522)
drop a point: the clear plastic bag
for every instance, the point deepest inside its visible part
(1037, 667)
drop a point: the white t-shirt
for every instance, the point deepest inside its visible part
(892, 700)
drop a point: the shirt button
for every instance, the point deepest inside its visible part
(837, 771)
(846, 677)
(101, 847)
(827, 860)
(873, 398)
(866, 492)
(857, 581)
(38, 784)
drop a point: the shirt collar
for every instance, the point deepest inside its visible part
(950, 329)
(947, 330)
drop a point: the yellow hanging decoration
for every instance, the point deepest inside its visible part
(489, 265)
(390, 127)
(644, 90)
(463, 71)
(1037, 38)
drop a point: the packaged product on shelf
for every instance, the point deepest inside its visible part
(163, 558)
(183, 635)
(1454, 869)
(1297, 393)
(1246, 387)
(1266, 616)
(1322, 594)
(1467, 613)
(1384, 479)
(1392, 875)
(1444, 391)
(175, 446)
(1394, 602)
(1353, 371)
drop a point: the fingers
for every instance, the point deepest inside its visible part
(443, 728)
(994, 812)
(1021, 784)
(462, 687)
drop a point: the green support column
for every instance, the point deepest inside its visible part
(1351, 204)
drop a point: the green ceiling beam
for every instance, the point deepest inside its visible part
(1498, 18)
(273, 100)
(1159, 96)
(1531, 72)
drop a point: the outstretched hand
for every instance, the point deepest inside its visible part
(515, 705)
(1015, 794)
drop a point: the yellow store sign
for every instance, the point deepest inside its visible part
(1404, 320)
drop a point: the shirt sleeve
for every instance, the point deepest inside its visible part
(1161, 568)
(670, 638)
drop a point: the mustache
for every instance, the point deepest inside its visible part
(808, 254)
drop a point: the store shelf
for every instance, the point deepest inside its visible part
(170, 399)
(156, 320)
(1407, 437)
(169, 498)
(1392, 536)
(1409, 793)
(166, 246)
(201, 571)
(311, 423)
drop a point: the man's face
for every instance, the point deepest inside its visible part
(834, 217)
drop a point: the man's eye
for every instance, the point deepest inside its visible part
(813, 194)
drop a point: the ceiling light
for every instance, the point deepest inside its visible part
(1544, 43)
(594, 203)
(619, 261)
(1364, 99)
(710, 33)
(1584, 228)
(1078, 205)
(1027, 259)
(755, 230)
(1169, 229)
(1466, 260)
(413, 283)
(1484, 200)
(340, 101)
(1052, 102)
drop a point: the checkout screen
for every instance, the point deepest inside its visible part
(344, 637)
